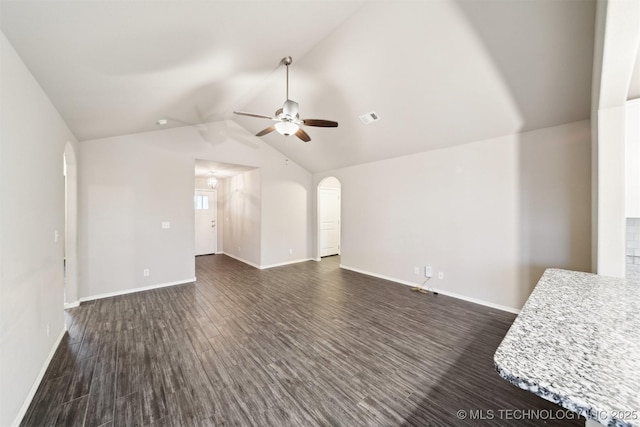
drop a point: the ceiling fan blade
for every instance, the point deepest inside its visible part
(303, 135)
(259, 116)
(266, 131)
(320, 123)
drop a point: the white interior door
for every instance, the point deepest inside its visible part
(205, 205)
(329, 221)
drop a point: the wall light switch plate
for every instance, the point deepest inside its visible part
(166, 224)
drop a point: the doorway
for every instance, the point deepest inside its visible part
(206, 212)
(329, 207)
(218, 226)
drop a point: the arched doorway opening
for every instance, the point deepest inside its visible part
(329, 217)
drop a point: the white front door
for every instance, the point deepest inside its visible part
(205, 205)
(329, 221)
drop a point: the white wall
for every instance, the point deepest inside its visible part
(491, 215)
(71, 224)
(33, 136)
(127, 188)
(611, 192)
(130, 184)
(632, 159)
(286, 213)
(241, 221)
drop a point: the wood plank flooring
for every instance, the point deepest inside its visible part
(301, 345)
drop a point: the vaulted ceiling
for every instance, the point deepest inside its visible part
(437, 72)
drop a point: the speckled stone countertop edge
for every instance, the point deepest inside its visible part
(582, 407)
(587, 411)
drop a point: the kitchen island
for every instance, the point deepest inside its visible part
(576, 342)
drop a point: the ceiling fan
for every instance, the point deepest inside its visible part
(288, 121)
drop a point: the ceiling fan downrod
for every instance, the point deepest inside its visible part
(287, 60)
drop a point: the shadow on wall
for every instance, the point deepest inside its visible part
(241, 206)
(554, 202)
(554, 174)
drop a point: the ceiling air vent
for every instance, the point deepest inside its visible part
(369, 118)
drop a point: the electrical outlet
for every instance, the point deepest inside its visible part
(441, 275)
(290, 251)
(416, 270)
(428, 271)
(165, 225)
(145, 272)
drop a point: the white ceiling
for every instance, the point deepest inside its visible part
(115, 67)
(438, 72)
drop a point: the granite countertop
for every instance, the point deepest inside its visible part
(576, 342)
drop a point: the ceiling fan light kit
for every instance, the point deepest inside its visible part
(287, 118)
(286, 128)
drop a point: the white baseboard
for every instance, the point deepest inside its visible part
(440, 291)
(479, 301)
(130, 291)
(36, 383)
(237, 258)
(71, 304)
(264, 267)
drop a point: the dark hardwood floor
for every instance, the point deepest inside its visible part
(305, 345)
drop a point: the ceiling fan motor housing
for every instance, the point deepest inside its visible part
(290, 109)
